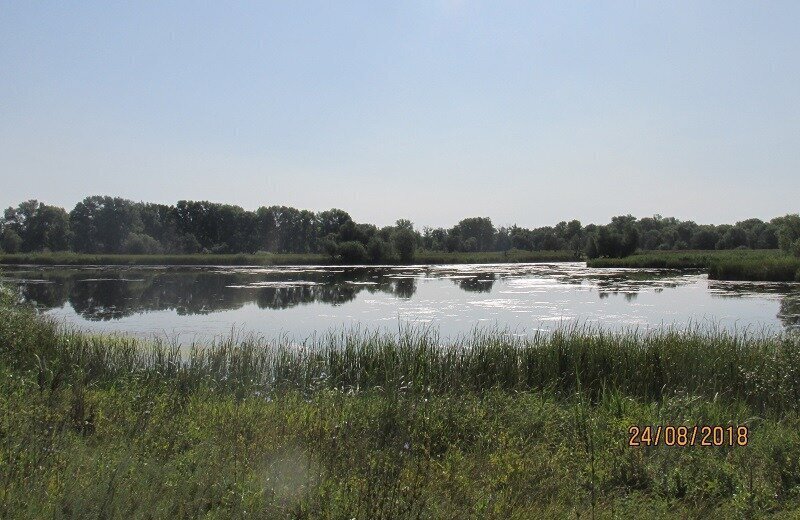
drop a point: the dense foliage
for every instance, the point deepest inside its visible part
(112, 225)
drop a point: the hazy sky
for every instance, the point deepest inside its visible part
(525, 112)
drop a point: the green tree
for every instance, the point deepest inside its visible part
(704, 238)
(48, 228)
(405, 244)
(480, 230)
(591, 248)
(10, 241)
(100, 224)
(733, 238)
(266, 229)
(789, 233)
(330, 222)
(39, 226)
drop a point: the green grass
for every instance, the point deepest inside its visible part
(364, 425)
(422, 257)
(753, 265)
(776, 269)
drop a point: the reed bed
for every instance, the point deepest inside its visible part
(744, 265)
(776, 269)
(409, 425)
(757, 367)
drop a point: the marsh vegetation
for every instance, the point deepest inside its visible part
(405, 425)
(752, 265)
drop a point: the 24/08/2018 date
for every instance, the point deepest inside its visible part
(688, 435)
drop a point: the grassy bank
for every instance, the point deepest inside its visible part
(422, 257)
(358, 425)
(753, 265)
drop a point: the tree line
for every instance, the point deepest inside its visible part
(103, 224)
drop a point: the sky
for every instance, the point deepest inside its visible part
(524, 112)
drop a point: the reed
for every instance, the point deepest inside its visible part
(361, 424)
(758, 368)
(745, 265)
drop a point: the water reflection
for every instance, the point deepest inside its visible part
(499, 292)
(790, 311)
(482, 283)
(113, 294)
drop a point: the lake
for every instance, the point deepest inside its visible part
(188, 304)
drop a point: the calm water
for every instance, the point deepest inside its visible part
(195, 303)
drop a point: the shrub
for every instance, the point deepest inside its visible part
(141, 244)
(380, 251)
(189, 244)
(353, 252)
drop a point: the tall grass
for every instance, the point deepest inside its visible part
(775, 269)
(760, 369)
(751, 265)
(359, 424)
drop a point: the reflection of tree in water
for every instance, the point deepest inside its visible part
(481, 283)
(405, 287)
(114, 294)
(789, 313)
(199, 293)
(46, 295)
(103, 300)
(629, 296)
(286, 297)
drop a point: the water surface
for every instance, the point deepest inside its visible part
(196, 303)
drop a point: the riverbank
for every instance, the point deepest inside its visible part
(421, 257)
(769, 265)
(394, 426)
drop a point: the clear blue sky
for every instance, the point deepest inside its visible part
(525, 112)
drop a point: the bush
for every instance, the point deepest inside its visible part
(353, 252)
(380, 251)
(189, 244)
(221, 248)
(141, 244)
(328, 246)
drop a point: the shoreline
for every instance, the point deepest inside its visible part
(422, 257)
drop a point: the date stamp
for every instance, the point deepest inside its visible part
(686, 436)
